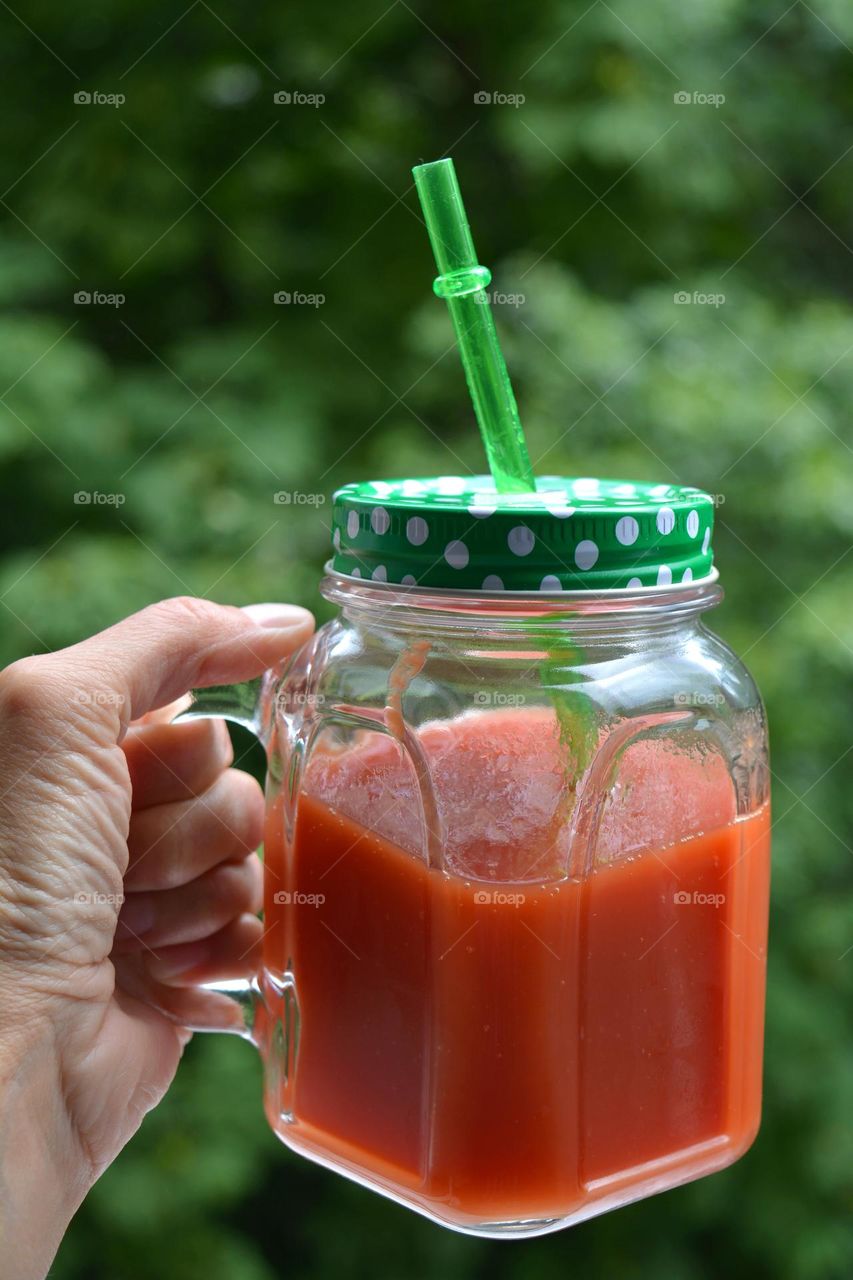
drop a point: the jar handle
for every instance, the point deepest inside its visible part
(248, 704)
(239, 1007)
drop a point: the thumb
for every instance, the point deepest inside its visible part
(152, 657)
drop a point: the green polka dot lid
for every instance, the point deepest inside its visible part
(580, 534)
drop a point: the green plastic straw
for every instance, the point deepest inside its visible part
(461, 281)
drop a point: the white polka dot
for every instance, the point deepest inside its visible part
(408, 581)
(417, 531)
(380, 573)
(557, 505)
(482, 505)
(352, 524)
(634, 582)
(625, 490)
(687, 576)
(706, 540)
(456, 554)
(493, 583)
(664, 575)
(521, 540)
(336, 539)
(666, 520)
(380, 521)
(356, 573)
(381, 488)
(550, 583)
(411, 488)
(586, 487)
(693, 523)
(659, 491)
(627, 531)
(450, 485)
(586, 554)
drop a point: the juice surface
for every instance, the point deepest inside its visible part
(511, 1048)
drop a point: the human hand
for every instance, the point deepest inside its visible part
(127, 868)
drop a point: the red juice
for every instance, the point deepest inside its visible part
(505, 1048)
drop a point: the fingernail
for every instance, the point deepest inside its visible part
(276, 615)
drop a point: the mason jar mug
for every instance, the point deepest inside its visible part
(516, 856)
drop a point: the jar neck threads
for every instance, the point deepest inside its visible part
(601, 614)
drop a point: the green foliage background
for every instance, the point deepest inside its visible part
(598, 199)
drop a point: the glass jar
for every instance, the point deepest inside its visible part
(516, 894)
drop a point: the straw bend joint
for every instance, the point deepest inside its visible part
(457, 284)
